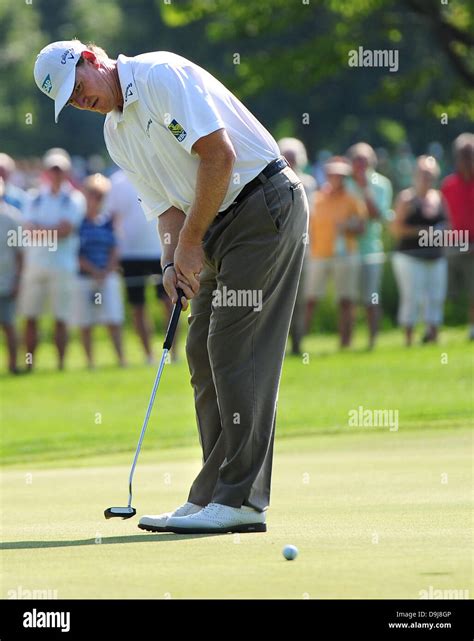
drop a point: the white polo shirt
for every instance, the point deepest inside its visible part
(169, 103)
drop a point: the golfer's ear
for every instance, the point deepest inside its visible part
(91, 57)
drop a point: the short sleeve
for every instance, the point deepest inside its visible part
(151, 200)
(76, 212)
(181, 100)
(386, 199)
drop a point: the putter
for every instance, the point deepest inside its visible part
(129, 511)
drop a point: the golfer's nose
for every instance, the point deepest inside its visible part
(81, 102)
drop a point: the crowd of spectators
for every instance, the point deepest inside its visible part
(74, 237)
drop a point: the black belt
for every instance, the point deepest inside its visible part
(270, 170)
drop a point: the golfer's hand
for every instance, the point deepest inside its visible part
(188, 263)
(170, 283)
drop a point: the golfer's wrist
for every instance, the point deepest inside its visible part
(167, 266)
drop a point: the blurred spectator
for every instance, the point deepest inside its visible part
(13, 195)
(336, 221)
(420, 271)
(376, 191)
(295, 153)
(10, 270)
(318, 169)
(140, 254)
(51, 263)
(98, 297)
(458, 190)
(403, 164)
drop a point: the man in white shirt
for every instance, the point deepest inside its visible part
(52, 220)
(140, 255)
(232, 217)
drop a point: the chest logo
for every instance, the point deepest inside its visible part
(128, 91)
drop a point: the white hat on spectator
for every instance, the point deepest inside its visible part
(338, 165)
(57, 157)
(55, 71)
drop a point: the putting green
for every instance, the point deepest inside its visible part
(373, 514)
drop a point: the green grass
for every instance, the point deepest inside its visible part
(375, 513)
(59, 416)
(369, 513)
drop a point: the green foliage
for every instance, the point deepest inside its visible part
(293, 60)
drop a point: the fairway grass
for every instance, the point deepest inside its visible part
(375, 512)
(56, 417)
(382, 515)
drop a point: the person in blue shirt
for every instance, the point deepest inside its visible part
(98, 295)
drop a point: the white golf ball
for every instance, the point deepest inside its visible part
(290, 552)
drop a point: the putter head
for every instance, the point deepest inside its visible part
(120, 512)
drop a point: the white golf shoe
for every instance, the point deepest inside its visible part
(219, 519)
(158, 522)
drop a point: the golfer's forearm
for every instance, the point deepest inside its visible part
(211, 187)
(170, 224)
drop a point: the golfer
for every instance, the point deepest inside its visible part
(232, 218)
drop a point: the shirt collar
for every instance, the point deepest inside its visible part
(128, 87)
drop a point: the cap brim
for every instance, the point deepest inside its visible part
(64, 93)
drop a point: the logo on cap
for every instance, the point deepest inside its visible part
(177, 130)
(47, 84)
(67, 55)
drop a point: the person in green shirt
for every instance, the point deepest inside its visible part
(376, 191)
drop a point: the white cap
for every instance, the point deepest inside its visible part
(57, 160)
(339, 166)
(55, 71)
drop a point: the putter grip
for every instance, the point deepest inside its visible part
(173, 324)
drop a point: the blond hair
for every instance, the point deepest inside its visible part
(429, 164)
(363, 150)
(98, 183)
(98, 51)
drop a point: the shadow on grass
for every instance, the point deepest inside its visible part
(109, 540)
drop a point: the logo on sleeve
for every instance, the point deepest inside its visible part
(47, 84)
(177, 130)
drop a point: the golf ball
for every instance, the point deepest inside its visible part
(290, 552)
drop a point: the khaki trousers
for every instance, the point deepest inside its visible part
(238, 329)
